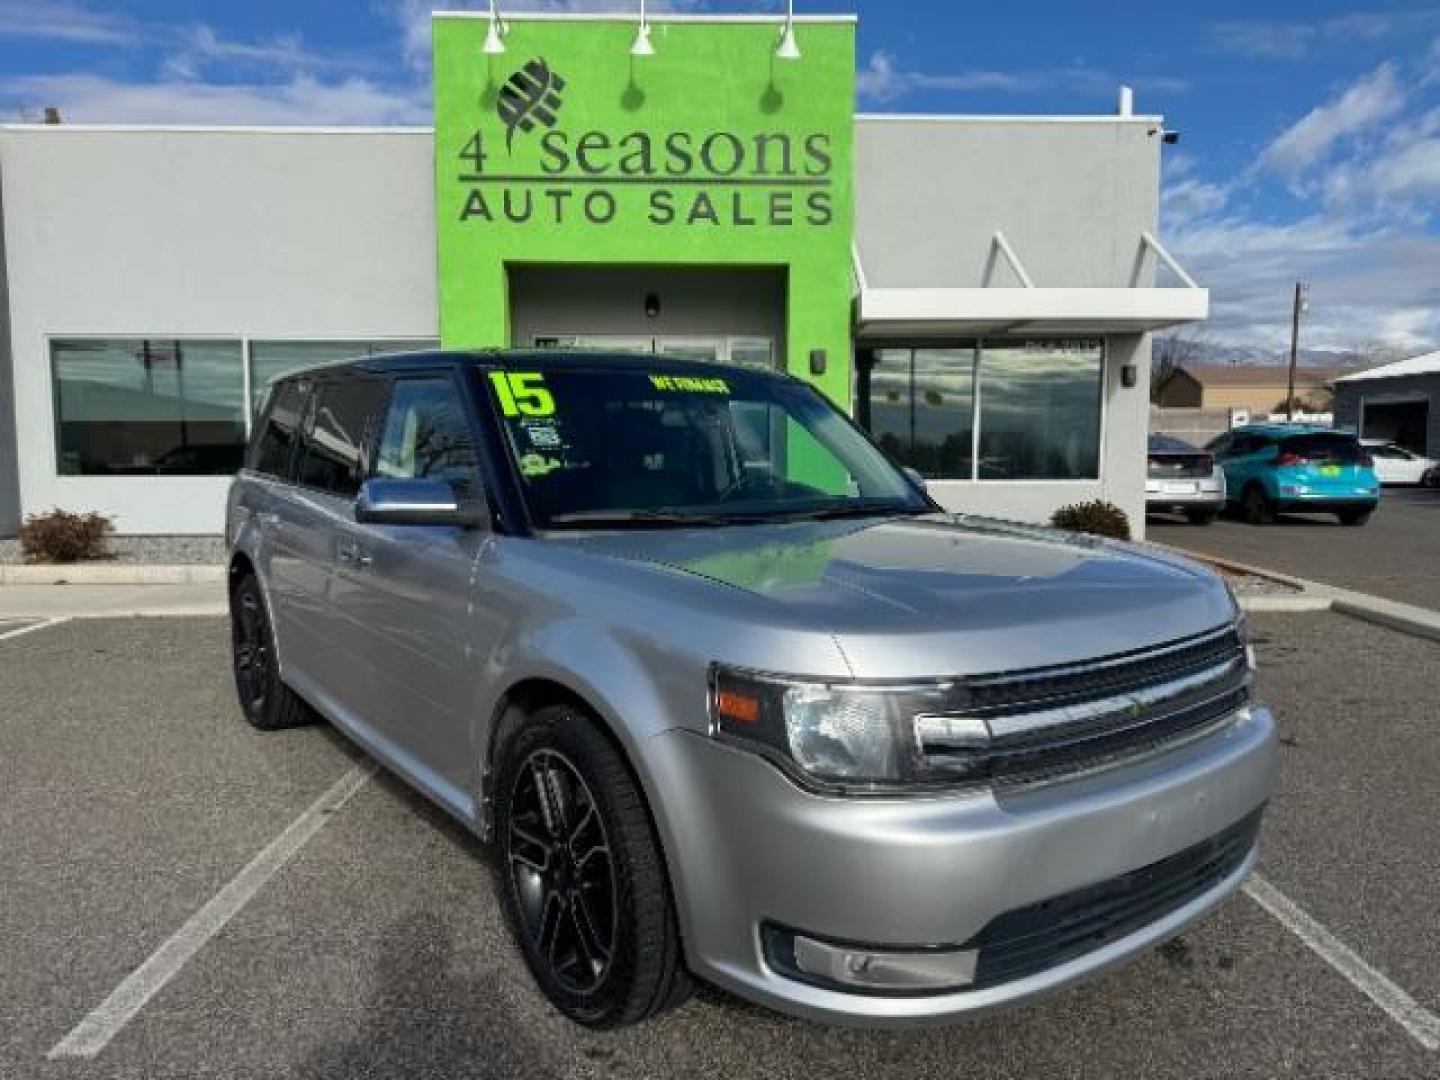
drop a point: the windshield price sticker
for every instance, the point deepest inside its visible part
(522, 394)
(689, 384)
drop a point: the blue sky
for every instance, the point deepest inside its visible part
(1310, 132)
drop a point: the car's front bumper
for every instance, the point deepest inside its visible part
(747, 848)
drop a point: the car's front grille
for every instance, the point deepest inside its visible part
(1048, 723)
(1049, 933)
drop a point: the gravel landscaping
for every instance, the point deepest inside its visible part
(146, 551)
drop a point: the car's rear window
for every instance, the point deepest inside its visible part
(1336, 449)
(1164, 444)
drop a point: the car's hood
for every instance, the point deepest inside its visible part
(968, 594)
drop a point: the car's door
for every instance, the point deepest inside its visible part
(296, 575)
(405, 592)
(331, 465)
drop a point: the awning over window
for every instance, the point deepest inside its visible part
(888, 312)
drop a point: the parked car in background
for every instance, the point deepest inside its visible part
(738, 705)
(1181, 479)
(1275, 469)
(1396, 465)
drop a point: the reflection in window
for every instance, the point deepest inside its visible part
(427, 436)
(1040, 410)
(271, 360)
(149, 408)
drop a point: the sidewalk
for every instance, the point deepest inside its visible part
(110, 601)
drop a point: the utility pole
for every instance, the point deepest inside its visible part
(1302, 293)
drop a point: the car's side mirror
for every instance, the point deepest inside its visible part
(386, 501)
(915, 478)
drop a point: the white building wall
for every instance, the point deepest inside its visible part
(277, 235)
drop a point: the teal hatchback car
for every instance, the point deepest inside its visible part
(1273, 469)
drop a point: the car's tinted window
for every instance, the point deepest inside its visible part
(427, 436)
(275, 439)
(1390, 451)
(1164, 444)
(1335, 448)
(332, 458)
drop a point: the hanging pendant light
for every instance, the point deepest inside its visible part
(495, 36)
(642, 45)
(789, 48)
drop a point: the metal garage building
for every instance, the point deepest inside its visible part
(1398, 402)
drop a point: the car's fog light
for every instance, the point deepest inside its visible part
(868, 969)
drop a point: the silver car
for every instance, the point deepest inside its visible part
(732, 698)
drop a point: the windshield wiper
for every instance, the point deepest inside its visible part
(830, 513)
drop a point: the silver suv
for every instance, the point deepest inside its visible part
(731, 696)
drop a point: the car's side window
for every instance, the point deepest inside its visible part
(427, 436)
(274, 450)
(333, 455)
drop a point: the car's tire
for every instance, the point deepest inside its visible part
(1354, 517)
(264, 698)
(584, 880)
(1257, 507)
(1201, 517)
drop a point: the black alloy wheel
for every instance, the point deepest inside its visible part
(560, 869)
(265, 699)
(585, 886)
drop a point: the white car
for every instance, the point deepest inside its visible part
(1396, 465)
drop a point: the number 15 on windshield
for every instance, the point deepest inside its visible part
(522, 394)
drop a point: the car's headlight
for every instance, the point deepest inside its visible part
(852, 734)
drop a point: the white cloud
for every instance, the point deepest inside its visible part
(881, 81)
(302, 99)
(1372, 99)
(1263, 39)
(60, 20)
(1188, 199)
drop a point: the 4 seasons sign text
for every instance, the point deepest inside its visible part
(540, 172)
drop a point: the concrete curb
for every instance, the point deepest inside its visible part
(1317, 596)
(109, 574)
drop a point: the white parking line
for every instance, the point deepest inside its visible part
(91, 1035)
(33, 627)
(1423, 1025)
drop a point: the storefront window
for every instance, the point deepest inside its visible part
(1040, 410)
(149, 408)
(271, 360)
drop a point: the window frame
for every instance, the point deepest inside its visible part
(48, 340)
(977, 346)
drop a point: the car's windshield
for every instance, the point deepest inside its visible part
(651, 447)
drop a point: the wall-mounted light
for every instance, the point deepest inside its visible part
(642, 46)
(495, 36)
(789, 48)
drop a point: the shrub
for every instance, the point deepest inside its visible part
(1098, 517)
(60, 537)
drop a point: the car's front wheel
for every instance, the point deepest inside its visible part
(267, 702)
(586, 889)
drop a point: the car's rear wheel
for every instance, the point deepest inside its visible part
(1259, 510)
(586, 889)
(266, 701)
(1353, 517)
(1201, 517)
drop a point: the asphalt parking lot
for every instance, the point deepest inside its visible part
(132, 793)
(1396, 555)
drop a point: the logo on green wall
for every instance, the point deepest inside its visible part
(531, 96)
(689, 178)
